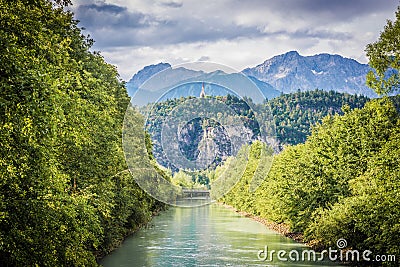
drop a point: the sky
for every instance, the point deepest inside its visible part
(132, 34)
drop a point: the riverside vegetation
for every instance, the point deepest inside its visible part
(65, 198)
(344, 181)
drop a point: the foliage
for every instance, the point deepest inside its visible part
(343, 182)
(384, 57)
(296, 113)
(63, 197)
(192, 133)
(238, 176)
(190, 180)
(369, 217)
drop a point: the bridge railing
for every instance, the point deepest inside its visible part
(195, 193)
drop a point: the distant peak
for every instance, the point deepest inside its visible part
(156, 67)
(159, 65)
(291, 71)
(150, 70)
(288, 55)
(291, 54)
(294, 52)
(218, 72)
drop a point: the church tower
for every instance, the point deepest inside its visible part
(203, 93)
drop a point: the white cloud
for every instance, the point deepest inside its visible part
(133, 34)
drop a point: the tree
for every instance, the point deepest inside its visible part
(384, 56)
(64, 195)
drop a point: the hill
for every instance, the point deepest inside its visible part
(294, 116)
(296, 113)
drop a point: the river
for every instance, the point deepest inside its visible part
(210, 235)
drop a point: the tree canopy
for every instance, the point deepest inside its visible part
(343, 182)
(65, 198)
(384, 57)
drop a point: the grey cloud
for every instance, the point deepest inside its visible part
(204, 58)
(170, 33)
(114, 25)
(94, 16)
(322, 10)
(106, 8)
(341, 7)
(320, 34)
(172, 4)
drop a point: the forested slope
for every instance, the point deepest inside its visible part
(65, 194)
(296, 113)
(343, 182)
(293, 117)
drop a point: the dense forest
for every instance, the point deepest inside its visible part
(293, 114)
(296, 113)
(72, 150)
(158, 115)
(343, 182)
(65, 195)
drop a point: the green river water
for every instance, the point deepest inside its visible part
(210, 235)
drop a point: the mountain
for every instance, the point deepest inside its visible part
(168, 78)
(161, 81)
(145, 73)
(285, 73)
(190, 146)
(290, 72)
(294, 115)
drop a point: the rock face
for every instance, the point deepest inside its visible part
(291, 72)
(183, 139)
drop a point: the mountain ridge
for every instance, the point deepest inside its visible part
(161, 82)
(285, 73)
(291, 71)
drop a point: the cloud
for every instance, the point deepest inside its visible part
(113, 25)
(204, 58)
(156, 24)
(322, 11)
(172, 4)
(320, 34)
(335, 10)
(136, 33)
(97, 16)
(106, 8)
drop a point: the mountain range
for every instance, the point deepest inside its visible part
(289, 72)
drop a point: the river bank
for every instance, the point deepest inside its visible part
(207, 235)
(100, 254)
(281, 228)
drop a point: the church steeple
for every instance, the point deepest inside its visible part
(203, 93)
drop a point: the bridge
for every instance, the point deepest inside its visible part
(195, 193)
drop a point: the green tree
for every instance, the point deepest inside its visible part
(384, 56)
(64, 195)
(183, 179)
(343, 182)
